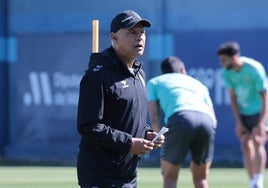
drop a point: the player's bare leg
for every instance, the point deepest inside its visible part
(259, 145)
(248, 151)
(200, 174)
(170, 174)
(260, 160)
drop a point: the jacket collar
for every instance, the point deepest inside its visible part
(118, 64)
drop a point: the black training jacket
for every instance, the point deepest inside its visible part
(112, 109)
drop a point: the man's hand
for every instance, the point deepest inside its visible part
(241, 131)
(140, 146)
(150, 136)
(259, 133)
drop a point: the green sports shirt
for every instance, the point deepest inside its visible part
(247, 84)
(177, 92)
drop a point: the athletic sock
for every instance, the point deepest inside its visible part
(251, 183)
(258, 180)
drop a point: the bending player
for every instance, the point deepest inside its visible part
(247, 83)
(191, 120)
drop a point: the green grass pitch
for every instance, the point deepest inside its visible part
(65, 177)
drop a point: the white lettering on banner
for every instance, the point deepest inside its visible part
(35, 88)
(64, 81)
(46, 90)
(63, 91)
(213, 80)
(60, 89)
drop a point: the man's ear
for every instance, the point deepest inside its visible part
(235, 57)
(114, 37)
(183, 71)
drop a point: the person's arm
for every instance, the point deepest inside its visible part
(155, 115)
(240, 129)
(209, 104)
(264, 111)
(259, 132)
(234, 106)
(90, 121)
(154, 112)
(260, 79)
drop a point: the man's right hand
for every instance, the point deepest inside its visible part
(241, 131)
(140, 146)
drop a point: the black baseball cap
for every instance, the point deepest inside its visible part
(127, 20)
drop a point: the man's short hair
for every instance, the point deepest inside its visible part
(229, 48)
(172, 64)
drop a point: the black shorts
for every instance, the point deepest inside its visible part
(250, 121)
(189, 131)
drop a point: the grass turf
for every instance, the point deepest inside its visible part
(65, 177)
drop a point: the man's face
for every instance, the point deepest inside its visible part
(226, 61)
(131, 42)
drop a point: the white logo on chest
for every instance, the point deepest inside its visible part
(97, 68)
(124, 84)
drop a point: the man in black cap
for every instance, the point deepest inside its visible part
(112, 109)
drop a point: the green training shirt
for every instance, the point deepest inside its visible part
(176, 92)
(247, 84)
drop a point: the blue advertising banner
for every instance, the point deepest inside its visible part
(45, 87)
(46, 80)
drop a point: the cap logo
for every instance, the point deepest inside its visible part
(128, 18)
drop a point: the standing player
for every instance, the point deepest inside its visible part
(191, 120)
(112, 110)
(247, 83)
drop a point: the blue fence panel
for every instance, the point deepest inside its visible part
(48, 61)
(47, 77)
